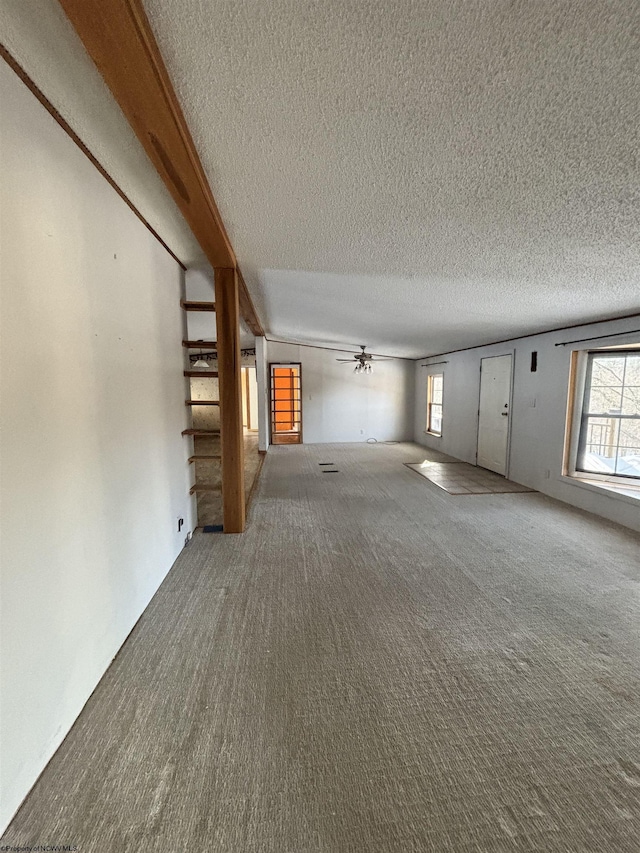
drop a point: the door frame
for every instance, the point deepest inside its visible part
(271, 364)
(512, 353)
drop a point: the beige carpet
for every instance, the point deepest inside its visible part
(371, 667)
(459, 478)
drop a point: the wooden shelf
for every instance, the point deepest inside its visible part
(198, 457)
(202, 402)
(202, 432)
(206, 373)
(188, 305)
(199, 344)
(197, 488)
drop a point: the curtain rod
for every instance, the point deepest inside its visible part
(532, 335)
(599, 338)
(432, 363)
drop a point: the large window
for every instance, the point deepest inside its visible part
(435, 384)
(609, 441)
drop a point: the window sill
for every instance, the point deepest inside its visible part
(624, 492)
(433, 434)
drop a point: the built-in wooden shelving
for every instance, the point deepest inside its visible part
(203, 462)
(189, 305)
(198, 488)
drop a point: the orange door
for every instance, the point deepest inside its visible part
(285, 404)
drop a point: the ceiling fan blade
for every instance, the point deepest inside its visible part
(345, 360)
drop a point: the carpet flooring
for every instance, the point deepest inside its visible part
(374, 666)
(460, 478)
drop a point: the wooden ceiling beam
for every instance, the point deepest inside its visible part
(247, 311)
(118, 38)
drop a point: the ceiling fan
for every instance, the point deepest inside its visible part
(363, 360)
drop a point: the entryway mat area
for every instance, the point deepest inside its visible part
(460, 478)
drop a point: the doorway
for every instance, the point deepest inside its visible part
(285, 403)
(249, 399)
(494, 413)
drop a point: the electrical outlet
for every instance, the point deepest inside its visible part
(187, 539)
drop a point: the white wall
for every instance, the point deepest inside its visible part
(538, 412)
(253, 398)
(338, 405)
(262, 392)
(94, 472)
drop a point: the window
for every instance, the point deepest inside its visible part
(609, 438)
(435, 383)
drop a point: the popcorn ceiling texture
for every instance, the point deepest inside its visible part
(415, 176)
(419, 176)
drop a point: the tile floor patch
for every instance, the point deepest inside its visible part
(460, 478)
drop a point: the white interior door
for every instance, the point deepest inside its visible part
(494, 416)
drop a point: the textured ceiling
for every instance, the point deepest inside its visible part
(419, 175)
(416, 176)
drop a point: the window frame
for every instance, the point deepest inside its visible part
(584, 367)
(430, 404)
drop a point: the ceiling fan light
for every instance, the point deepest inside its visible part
(363, 361)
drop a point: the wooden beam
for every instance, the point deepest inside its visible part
(247, 310)
(119, 39)
(230, 393)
